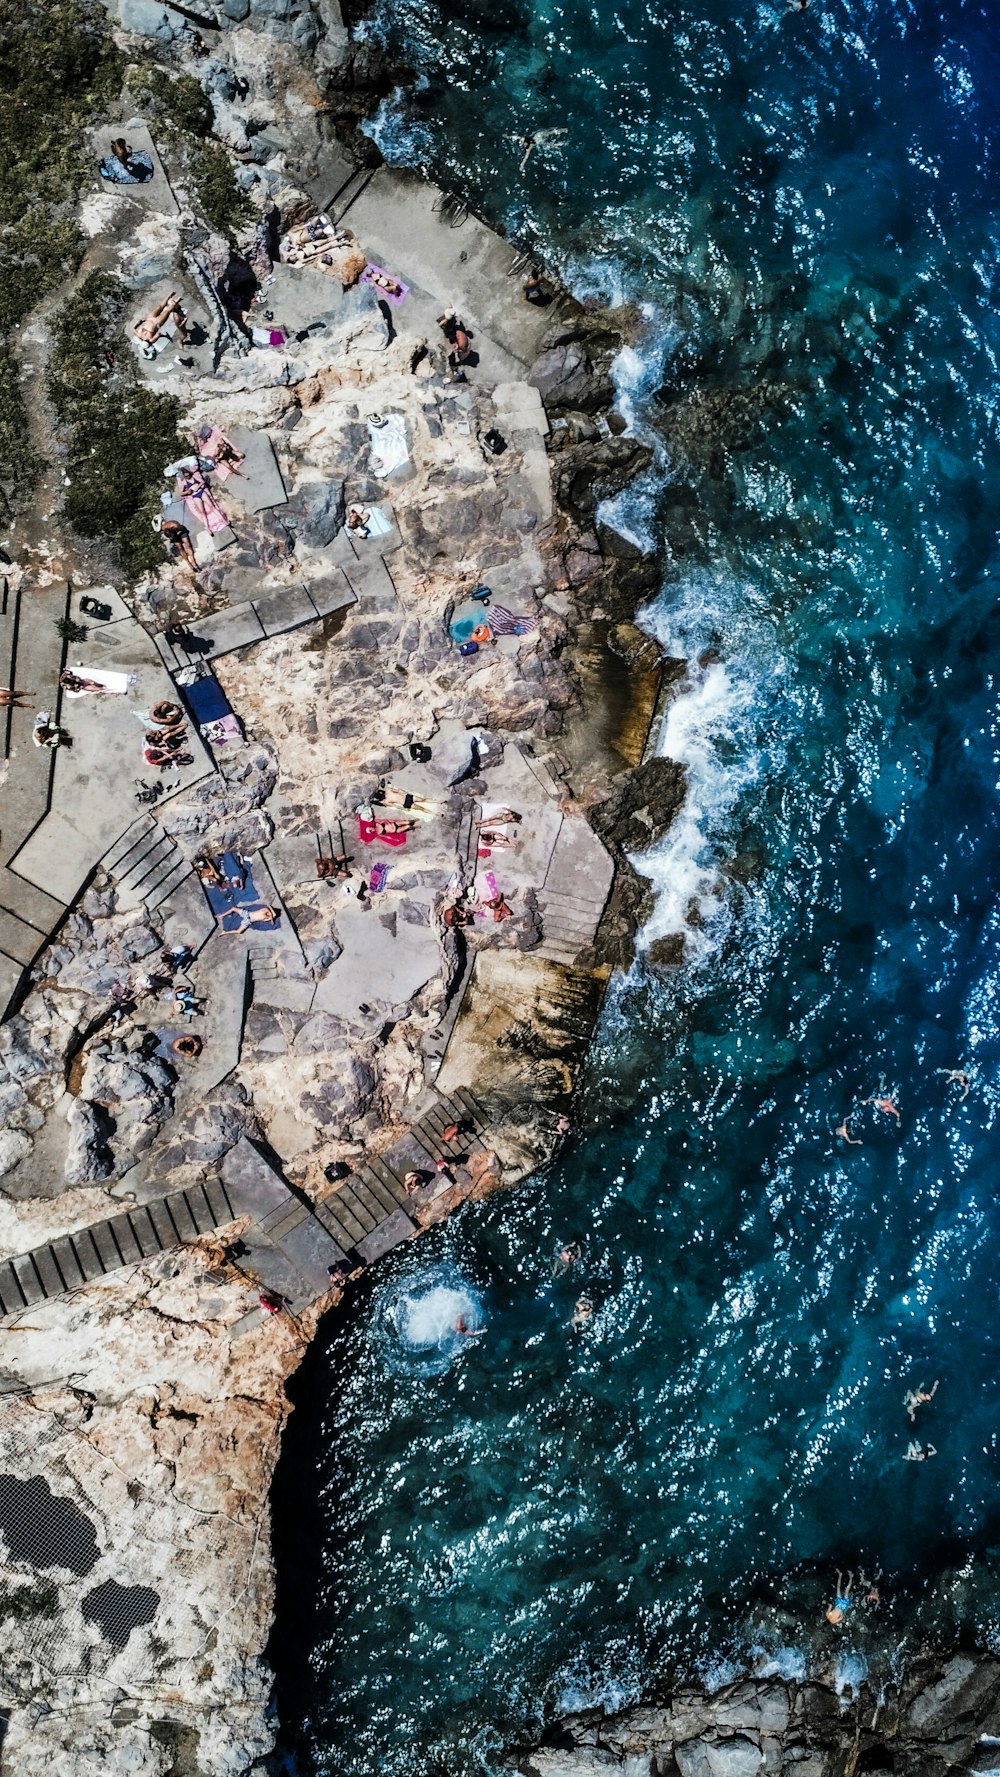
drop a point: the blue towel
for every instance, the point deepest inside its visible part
(206, 700)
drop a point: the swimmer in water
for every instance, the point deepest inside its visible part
(582, 1312)
(915, 1397)
(842, 1601)
(955, 1076)
(918, 1452)
(844, 1131)
(885, 1105)
(565, 1257)
(462, 1326)
(538, 140)
(872, 1596)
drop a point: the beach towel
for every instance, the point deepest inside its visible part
(202, 505)
(491, 885)
(212, 440)
(367, 833)
(376, 881)
(372, 273)
(511, 623)
(138, 172)
(205, 699)
(388, 444)
(222, 733)
(267, 336)
(378, 524)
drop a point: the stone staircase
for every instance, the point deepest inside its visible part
(291, 1244)
(145, 865)
(569, 923)
(138, 1233)
(279, 978)
(369, 1212)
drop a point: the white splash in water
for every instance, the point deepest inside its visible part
(712, 726)
(434, 1318)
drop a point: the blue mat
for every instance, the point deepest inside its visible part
(206, 699)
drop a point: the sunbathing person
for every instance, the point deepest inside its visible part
(505, 818)
(11, 699)
(161, 318)
(177, 538)
(458, 916)
(358, 520)
(161, 757)
(388, 795)
(169, 714)
(165, 740)
(217, 449)
(208, 872)
(46, 732)
(498, 907)
(382, 281)
(71, 681)
(487, 836)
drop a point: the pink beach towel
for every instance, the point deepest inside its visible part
(369, 275)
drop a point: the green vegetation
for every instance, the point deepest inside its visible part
(58, 72)
(19, 467)
(220, 200)
(120, 434)
(29, 1602)
(185, 114)
(176, 103)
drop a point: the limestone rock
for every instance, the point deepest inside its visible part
(565, 378)
(88, 1155)
(737, 1757)
(15, 1146)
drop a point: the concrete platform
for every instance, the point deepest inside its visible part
(93, 782)
(399, 228)
(156, 195)
(390, 951)
(259, 486)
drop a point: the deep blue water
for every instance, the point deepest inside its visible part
(486, 1530)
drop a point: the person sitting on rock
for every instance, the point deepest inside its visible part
(126, 166)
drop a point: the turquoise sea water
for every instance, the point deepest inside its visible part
(476, 1533)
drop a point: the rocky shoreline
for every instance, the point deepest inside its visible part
(943, 1715)
(148, 1209)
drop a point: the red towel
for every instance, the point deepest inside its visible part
(367, 832)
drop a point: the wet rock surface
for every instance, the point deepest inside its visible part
(942, 1717)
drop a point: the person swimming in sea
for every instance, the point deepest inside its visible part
(955, 1076)
(565, 1258)
(462, 1326)
(916, 1397)
(540, 139)
(842, 1600)
(582, 1313)
(885, 1105)
(918, 1452)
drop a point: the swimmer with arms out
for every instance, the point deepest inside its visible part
(915, 1397)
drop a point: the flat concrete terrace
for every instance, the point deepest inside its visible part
(398, 218)
(93, 781)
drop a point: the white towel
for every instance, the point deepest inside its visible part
(388, 441)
